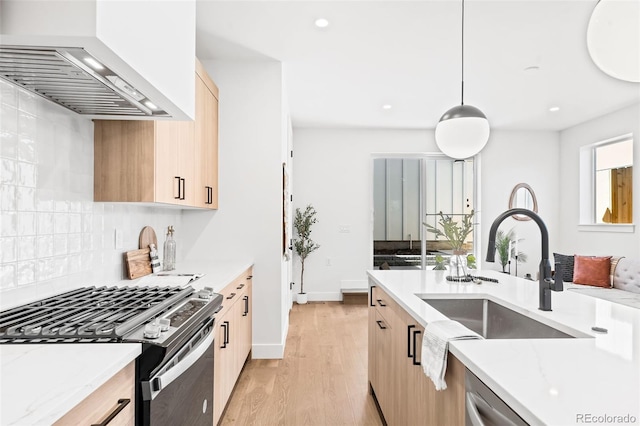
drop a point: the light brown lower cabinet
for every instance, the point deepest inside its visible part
(232, 344)
(406, 396)
(114, 400)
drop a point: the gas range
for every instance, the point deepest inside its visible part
(173, 324)
(151, 315)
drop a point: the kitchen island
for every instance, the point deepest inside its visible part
(546, 381)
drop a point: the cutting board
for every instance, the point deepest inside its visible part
(138, 263)
(147, 237)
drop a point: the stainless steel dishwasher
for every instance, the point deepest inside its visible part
(485, 408)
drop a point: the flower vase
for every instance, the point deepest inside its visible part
(458, 265)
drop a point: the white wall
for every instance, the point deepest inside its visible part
(333, 172)
(53, 236)
(574, 241)
(248, 223)
(512, 157)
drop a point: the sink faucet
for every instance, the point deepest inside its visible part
(545, 282)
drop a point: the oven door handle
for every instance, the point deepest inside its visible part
(154, 386)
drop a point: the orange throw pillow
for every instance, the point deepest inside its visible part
(592, 270)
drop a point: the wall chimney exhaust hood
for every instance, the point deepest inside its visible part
(74, 79)
(103, 59)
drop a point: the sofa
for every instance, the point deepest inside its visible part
(624, 286)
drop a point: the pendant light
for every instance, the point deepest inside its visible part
(613, 38)
(463, 130)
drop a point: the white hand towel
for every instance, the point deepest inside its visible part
(435, 348)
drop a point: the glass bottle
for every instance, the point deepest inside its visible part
(169, 260)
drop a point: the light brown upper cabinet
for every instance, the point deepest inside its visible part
(169, 162)
(206, 138)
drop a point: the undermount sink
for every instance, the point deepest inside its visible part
(492, 320)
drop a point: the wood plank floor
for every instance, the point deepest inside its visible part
(322, 379)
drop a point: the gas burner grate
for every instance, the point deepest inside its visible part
(94, 313)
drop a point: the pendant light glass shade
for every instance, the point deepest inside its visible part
(613, 38)
(462, 132)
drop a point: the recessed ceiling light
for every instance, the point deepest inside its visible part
(386, 106)
(321, 23)
(532, 68)
(554, 108)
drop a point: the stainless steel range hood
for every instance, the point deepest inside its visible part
(74, 79)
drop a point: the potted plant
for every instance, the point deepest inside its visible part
(506, 249)
(456, 234)
(304, 245)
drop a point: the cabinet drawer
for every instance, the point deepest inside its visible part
(235, 291)
(109, 400)
(382, 301)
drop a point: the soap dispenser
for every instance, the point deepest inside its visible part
(169, 251)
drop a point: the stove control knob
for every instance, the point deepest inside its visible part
(164, 324)
(152, 330)
(205, 293)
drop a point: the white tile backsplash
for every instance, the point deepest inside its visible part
(25, 199)
(8, 250)
(27, 223)
(26, 248)
(26, 174)
(7, 197)
(52, 234)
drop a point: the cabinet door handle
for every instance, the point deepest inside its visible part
(209, 195)
(380, 324)
(380, 302)
(121, 404)
(207, 189)
(184, 189)
(179, 197)
(415, 361)
(225, 339)
(240, 286)
(246, 306)
(371, 295)
(249, 277)
(231, 296)
(409, 329)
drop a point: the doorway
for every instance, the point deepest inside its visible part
(409, 191)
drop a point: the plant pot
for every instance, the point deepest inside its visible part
(301, 298)
(458, 264)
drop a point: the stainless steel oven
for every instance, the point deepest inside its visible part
(174, 325)
(181, 392)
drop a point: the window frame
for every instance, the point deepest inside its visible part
(588, 222)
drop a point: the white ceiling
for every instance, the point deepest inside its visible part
(408, 54)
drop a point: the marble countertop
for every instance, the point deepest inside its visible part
(41, 382)
(546, 381)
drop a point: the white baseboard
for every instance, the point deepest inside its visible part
(270, 351)
(274, 351)
(329, 296)
(354, 284)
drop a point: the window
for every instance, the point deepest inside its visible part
(606, 183)
(613, 182)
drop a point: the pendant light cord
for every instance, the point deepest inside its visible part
(462, 71)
